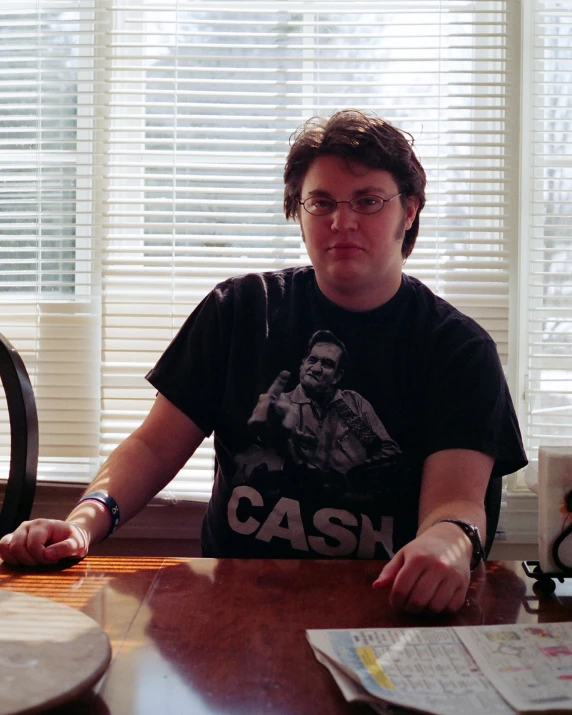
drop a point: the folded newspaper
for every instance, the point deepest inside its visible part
(498, 670)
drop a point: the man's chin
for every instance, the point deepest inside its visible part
(316, 394)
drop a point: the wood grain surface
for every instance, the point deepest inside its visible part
(227, 637)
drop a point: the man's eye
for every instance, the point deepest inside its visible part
(322, 203)
(368, 201)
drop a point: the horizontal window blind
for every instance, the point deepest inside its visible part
(152, 138)
(201, 106)
(549, 203)
(49, 309)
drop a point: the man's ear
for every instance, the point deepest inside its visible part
(411, 211)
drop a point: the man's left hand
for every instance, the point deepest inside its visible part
(431, 573)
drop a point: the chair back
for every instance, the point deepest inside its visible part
(21, 485)
(493, 499)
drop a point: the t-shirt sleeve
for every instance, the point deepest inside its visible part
(191, 371)
(470, 407)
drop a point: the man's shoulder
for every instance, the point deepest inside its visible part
(440, 317)
(281, 280)
(353, 399)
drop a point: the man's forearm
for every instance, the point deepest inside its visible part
(460, 509)
(453, 487)
(132, 475)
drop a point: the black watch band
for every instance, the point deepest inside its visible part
(109, 503)
(474, 535)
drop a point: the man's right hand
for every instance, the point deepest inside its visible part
(43, 542)
(272, 403)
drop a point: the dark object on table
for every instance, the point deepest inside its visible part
(544, 581)
(21, 485)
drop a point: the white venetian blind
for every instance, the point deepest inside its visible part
(549, 200)
(173, 150)
(48, 306)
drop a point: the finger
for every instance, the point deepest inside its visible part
(277, 387)
(436, 598)
(260, 412)
(457, 600)
(415, 594)
(17, 552)
(5, 542)
(420, 595)
(389, 571)
(446, 596)
(287, 412)
(405, 583)
(438, 590)
(442, 597)
(39, 534)
(66, 540)
(73, 547)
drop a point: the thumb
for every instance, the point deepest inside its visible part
(75, 546)
(62, 550)
(389, 571)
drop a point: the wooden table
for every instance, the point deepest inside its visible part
(228, 636)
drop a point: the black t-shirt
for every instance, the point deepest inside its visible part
(333, 467)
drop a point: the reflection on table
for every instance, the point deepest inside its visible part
(228, 636)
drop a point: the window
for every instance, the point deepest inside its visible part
(142, 154)
(547, 204)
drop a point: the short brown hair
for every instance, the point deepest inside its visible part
(356, 136)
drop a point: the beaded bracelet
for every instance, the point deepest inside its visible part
(109, 503)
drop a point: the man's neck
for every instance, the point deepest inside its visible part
(322, 399)
(357, 300)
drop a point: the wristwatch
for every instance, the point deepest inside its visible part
(474, 535)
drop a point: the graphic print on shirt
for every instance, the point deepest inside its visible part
(316, 445)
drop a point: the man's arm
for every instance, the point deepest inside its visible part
(433, 571)
(136, 470)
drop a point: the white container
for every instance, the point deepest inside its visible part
(554, 483)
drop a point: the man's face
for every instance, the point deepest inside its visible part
(320, 371)
(357, 258)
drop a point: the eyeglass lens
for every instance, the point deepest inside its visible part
(322, 206)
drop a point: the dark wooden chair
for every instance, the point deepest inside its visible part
(493, 499)
(21, 485)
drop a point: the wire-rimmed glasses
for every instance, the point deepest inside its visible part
(367, 204)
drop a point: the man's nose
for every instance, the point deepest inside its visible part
(343, 217)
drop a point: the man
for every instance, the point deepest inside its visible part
(430, 374)
(316, 424)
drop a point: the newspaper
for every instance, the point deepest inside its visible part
(498, 670)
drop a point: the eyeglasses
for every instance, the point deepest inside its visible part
(368, 204)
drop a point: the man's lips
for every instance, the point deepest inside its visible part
(343, 247)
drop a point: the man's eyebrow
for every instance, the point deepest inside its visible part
(319, 192)
(377, 190)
